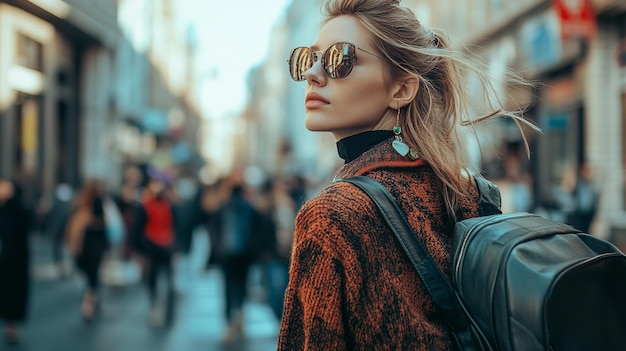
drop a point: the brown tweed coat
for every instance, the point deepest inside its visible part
(351, 286)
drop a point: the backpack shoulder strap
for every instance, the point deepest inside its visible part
(436, 283)
(490, 200)
(439, 287)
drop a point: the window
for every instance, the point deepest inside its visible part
(29, 53)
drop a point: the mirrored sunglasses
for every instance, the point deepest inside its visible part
(337, 61)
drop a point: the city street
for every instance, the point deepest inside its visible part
(55, 323)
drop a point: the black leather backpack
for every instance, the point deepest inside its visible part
(520, 282)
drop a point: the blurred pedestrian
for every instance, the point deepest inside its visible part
(14, 259)
(213, 197)
(187, 212)
(60, 211)
(154, 234)
(273, 224)
(188, 216)
(87, 241)
(235, 253)
(298, 190)
(515, 188)
(586, 198)
(127, 203)
(558, 203)
(393, 93)
(285, 212)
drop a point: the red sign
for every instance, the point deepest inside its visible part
(577, 18)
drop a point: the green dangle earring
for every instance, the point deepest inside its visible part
(400, 146)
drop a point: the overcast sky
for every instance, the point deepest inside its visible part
(233, 36)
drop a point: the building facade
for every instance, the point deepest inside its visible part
(55, 64)
(579, 102)
(90, 86)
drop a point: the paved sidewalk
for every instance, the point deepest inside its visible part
(55, 324)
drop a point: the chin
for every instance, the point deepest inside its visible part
(316, 124)
(314, 128)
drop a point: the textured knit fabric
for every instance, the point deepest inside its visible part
(351, 286)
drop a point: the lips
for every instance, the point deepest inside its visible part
(314, 100)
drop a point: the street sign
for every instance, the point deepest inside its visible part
(577, 18)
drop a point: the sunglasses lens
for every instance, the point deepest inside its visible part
(300, 61)
(339, 60)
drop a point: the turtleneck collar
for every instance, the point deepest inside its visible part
(351, 147)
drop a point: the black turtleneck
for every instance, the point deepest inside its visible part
(351, 147)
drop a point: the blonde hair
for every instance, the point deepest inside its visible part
(443, 101)
(91, 190)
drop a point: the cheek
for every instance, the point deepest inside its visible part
(368, 101)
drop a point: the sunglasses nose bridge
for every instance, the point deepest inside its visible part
(316, 71)
(317, 56)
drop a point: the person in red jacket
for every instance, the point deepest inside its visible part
(155, 238)
(393, 93)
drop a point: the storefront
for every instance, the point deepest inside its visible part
(26, 46)
(51, 92)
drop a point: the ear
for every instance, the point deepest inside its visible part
(404, 91)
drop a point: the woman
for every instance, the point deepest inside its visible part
(392, 93)
(14, 259)
(155, 235)
(87, 241)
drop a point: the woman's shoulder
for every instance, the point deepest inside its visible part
(336, 209)
(339, 197)
(336, 222)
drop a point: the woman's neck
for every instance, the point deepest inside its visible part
(351, 147)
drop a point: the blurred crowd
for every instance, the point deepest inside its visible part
(573, 198)
(138, 232)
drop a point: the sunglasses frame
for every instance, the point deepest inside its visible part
(319, 55)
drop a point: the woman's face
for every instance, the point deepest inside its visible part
(353, 104)
(156, 186)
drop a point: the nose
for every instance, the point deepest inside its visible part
(315, 75)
